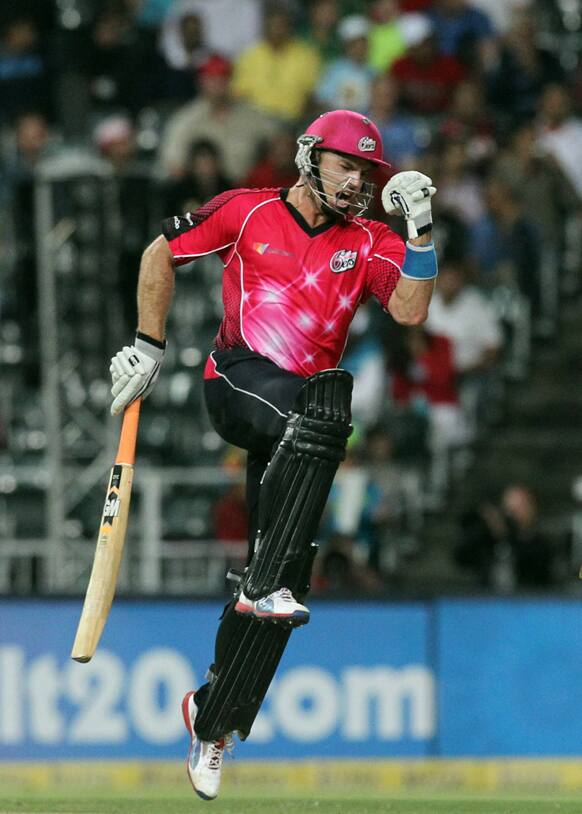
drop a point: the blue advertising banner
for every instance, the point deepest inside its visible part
(455, 678)
(510, 678)
(355, 682)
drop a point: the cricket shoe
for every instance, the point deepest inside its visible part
(204, 761)
(280, 607)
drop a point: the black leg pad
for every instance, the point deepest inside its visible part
(297, 481)
(233, 698)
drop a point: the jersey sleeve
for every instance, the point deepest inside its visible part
(212, 228)
(384, 265)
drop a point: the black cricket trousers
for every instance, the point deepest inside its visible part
(248, 406)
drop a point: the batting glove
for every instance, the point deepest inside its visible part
(134, 371)
(409, 193)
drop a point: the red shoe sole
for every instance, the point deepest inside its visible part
(185, 713)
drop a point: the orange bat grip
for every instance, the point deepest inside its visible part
(128, 438)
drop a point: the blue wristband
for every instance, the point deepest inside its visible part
(420, 262)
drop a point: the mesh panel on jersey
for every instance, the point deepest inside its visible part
(207, 209)
(382, 279)
(229, 335)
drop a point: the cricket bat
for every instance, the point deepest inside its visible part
(110, 541)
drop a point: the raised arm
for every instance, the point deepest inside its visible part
(409, 194)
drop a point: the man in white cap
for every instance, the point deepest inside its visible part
(347, 81)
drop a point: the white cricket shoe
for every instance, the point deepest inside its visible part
(280, 606)
(204, 761)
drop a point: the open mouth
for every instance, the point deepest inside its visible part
(343, 199)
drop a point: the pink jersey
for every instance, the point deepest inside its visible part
(289, 291)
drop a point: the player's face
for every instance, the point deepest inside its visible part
(343, 178)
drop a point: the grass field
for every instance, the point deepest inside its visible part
(180, 801)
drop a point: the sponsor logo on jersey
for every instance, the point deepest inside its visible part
(266, 248)
(343, 260)
(367, 144)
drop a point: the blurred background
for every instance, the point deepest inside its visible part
(464, 473)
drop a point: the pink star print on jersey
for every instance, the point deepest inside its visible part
(289, 291)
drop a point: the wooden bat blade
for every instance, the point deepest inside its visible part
(106, 563)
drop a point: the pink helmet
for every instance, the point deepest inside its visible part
(345, 131)
(341, 131)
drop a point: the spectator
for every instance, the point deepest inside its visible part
(548, 194)
(277, 168)
(400, 505)
(339, 571)
(550, 202)
(464, 31)
(461, 312)
(183, 50)
(365, 360)
(470, 123)
(33, 141)
(502, 12)
(320, 30)
(346, 83)
(230, 516)
(115, 62)
(24, 78)
(515, 81)
(279, 73)
(424, 379)
(229, 26)
(204, 179)
(237, 129)
(115, 139)
(560, 133)
(502, 543)
(354, 517)
(507, 244)
(427, 78)
(386, 39)
(403, 137)
(460, 188)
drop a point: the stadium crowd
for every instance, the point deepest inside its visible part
(193, 97)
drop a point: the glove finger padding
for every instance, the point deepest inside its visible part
(425, 192)
(134, 371)
(119, 385)
(128, 394)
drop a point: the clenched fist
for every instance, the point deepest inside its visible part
(408, 193)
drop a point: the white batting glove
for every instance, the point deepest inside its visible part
(408, 193)
(134, 371)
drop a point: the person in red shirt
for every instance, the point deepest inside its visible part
(426, 77)
(276, 167)
(297, 264)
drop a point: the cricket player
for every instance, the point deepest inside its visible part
(297, 264)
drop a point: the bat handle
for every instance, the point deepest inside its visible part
(128, 437)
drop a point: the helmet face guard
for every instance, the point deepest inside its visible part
(347, 133)
(314, 176)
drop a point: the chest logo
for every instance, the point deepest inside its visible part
(343, 261)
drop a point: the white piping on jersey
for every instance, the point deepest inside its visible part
(235, 251)
(387, 259)
(365, 228)
(201, 254)
(246, 392)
